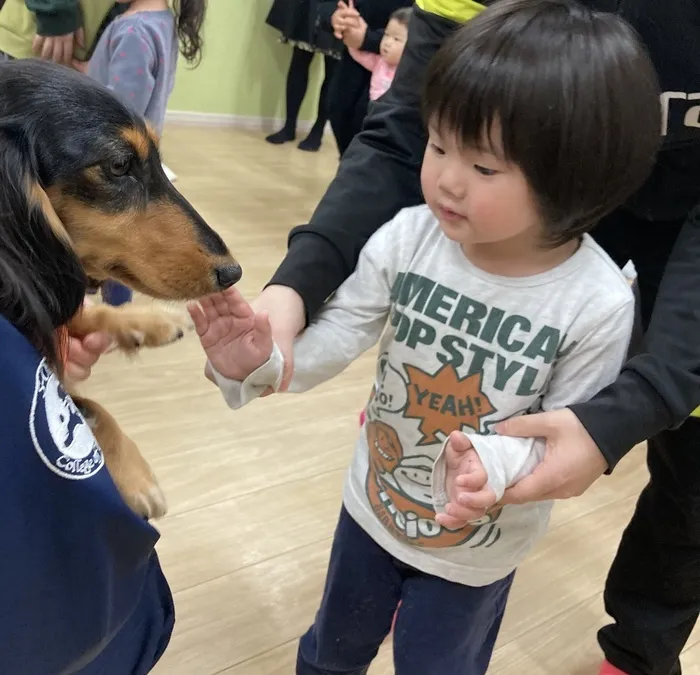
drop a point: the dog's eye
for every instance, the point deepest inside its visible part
(119, 167)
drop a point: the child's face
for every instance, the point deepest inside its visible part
(392, 44)
(477, 196)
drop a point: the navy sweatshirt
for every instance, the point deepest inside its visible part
(81, 588)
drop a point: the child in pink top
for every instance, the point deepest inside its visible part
(383, 65)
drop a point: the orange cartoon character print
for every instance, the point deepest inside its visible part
(399, 490)
(398, 485)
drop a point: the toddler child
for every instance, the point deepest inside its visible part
(491, 300)
(383, 65)
(136, 57)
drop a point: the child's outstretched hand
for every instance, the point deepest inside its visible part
(237, 341)
(466, 483)
(344, 18)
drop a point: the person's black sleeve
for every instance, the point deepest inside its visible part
(324, 13)
(55, 17)
(378, 176)
(658, 389)
(373, 39)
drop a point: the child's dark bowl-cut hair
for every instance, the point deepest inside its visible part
(574, 93)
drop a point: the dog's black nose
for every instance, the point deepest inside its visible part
(228, 275)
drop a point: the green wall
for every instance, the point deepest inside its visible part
(244, 66)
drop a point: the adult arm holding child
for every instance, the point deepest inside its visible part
(379, 175)
(243, 360)
(473, 471)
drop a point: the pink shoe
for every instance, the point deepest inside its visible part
(608, 669)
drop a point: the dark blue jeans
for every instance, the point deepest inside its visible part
(442, 628)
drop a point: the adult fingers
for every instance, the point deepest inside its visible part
(528, 426)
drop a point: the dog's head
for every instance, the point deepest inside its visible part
(83, 196)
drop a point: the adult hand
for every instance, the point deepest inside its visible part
(81, 66)
(287, 316)
(572, 461)
(83, 353)
(58, 48)
(354, 37)
(344, 18)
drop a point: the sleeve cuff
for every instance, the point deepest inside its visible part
(237, 394)
(506, 460)
(439, 482)
(61, 22)
(372, 41)
(486, 447)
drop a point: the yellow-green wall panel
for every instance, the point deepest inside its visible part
(244, 66)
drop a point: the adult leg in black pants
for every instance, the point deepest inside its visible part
(313, 141)
(347, 127)
(653, 587)
(297, 83)
(348, 101)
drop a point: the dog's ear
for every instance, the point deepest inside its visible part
(42, 283)
(41, 201)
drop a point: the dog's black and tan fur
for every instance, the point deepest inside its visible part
(83, 198)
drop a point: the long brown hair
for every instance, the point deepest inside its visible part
(189, 15)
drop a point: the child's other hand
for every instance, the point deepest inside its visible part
(237, 341)
(346, 17)
(467, 484)
(354, 37)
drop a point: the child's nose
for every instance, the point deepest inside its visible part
(452, 183)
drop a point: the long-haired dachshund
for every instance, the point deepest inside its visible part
(83, 198)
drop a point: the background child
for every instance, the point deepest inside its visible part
(136, 57)
(489, 301)
(383, 65)
(360, 25)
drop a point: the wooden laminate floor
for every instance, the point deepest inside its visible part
(254, 495)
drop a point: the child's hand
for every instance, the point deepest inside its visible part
(237, 341)
(466, 482)
(346, 17)
(354, 37)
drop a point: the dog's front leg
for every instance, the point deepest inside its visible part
(131, 327)
(126, 465)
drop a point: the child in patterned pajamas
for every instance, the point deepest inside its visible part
(491, 300)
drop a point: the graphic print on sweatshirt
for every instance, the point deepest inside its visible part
(74, 453)
(458, 374)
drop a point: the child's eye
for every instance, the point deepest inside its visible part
(484, 171)
(437, 149)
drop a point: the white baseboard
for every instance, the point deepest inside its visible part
(267, 124)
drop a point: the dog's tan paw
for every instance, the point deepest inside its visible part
(152, 328)
(140, 490)
(150, 503)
